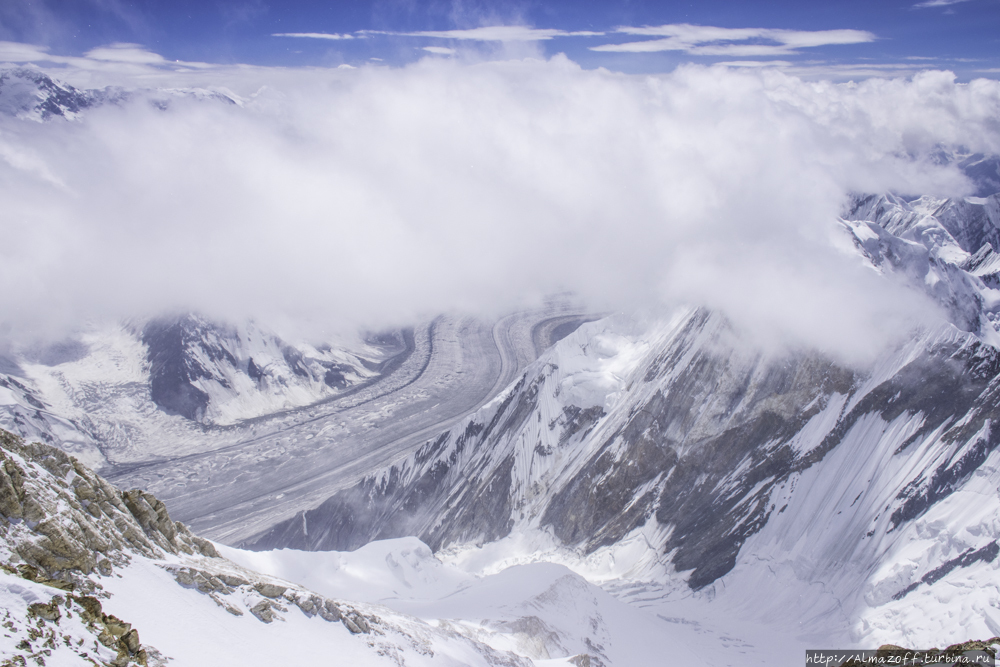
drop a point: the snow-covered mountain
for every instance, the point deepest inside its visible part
(220, 374)
(122, 388)
(28, 93)
(670, 457)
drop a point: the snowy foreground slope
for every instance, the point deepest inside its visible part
(689, 471)
(92, 575)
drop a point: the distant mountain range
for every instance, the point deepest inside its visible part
(30, 94)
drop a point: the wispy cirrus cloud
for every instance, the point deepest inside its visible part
(937, 3)
(715, 41)
(314, 35)
(120, 56)
(125, 53)
(17, 52)
(495, 33)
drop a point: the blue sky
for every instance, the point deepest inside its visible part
(854, 36)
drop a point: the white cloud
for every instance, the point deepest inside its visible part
(112, 60)
(439, 50)
(125, 53)
(496, 33)
(714, 41)
(757, 63)
(16, 52)
(937, 3)
(373, 196)
(314, 35)
(826, 71)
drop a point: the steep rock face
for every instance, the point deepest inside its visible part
(680, 431)
(675, 454)
(172, 374)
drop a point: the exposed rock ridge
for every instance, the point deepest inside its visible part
(79, 624)
(62, 518)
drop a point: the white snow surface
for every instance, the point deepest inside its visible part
(541, 610)
(192, 629)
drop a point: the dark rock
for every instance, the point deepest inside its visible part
(115, 626)
(270, 590)
(173, 369)
(91, 610)
(130, 640)
(231, 580)
(50, 611)
(262, 610)
(329, 611)
(255, 373)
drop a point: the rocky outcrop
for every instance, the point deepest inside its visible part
(64, 526)
(67, 621)
(267, 600)
(60, 518)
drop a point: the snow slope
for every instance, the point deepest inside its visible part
(541, 611)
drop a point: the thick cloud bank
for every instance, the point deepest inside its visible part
(344, 198)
